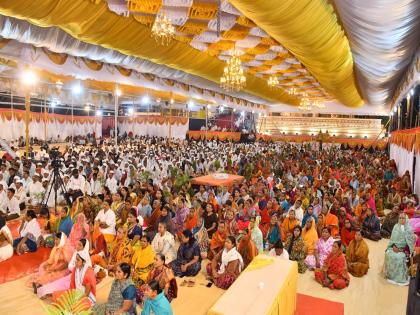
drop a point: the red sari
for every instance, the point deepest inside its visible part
(336, 275)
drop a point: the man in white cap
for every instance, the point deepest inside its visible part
(12, 205)
(111, 182)
(35, 190)
(20, 192)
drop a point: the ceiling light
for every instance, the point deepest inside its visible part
(118, 92)
(77, 89)
(145, 100)
(99, 112)
(130, 111)
(29, 77)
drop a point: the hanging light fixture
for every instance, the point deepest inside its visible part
(162, 30)
(305, 104)
(273, 81)
(292, 91)
(233, 78)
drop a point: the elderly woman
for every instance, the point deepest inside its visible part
(226, 265)
(188, 261)
(122, 297)
(333, 273)
(389, 222)
(357, 256)
(399, 247)
(295, 246)
(164, 243)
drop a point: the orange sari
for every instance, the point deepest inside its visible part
(287, 227)
(332, 221)
(191, 220)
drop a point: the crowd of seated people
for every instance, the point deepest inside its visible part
(136, 217)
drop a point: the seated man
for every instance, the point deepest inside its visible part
(29, 232)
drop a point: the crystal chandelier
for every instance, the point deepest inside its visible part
(233, 78)
(318, 104)
(273, 81)
(305, 104)
(292, 91)
(162, 30)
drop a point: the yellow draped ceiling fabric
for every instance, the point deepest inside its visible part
(309, 29)
(96, 24)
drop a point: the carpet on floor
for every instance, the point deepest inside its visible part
(309, 305)
(21, 266)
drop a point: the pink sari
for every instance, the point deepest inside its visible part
(79, 230)
(324, 249)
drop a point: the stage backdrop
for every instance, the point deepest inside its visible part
(46, 127)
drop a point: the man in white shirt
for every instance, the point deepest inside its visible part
(3, 198)
(35, 190)
(95, 186)
(106, 220)
(111, 182)
(26, 180)
(298, 210)
(12, 205)
(20, 193)
(77, 183)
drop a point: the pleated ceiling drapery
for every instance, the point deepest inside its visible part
(384, 36)
(309, 29)
(93, 23)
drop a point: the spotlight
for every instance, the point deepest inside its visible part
(412, 92)
(190, 104)
(29, 77)
(131, 111)
(234, 110)
(77, 89)
(243, 113)
(99, 112)
(172, 100)
(87, 108)
(222, 108)
(145, 100)
(118, 92)
(53, 104)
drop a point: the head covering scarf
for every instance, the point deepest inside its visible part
(310, 237)
(402, 235)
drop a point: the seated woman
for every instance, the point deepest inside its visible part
(226, 265)
(256, 234)
(156, 301)
(83, 279)
(322, 250)
(217, 242)
(296, 248)
(122, 297)
(134, 231)
(164, 276)
(347, 233)
(29, 232)
(399, 247)
(164, 243)
(371, 226)
(6, 241)
(188, 261)
(357, 256)
(56, 265)
(80, 229)
(247, 248)
(231, 224)
(62, 284)
(99, 250)
(142, 261)
(200, 234)
(279, 251)
(288, 225)
(333, 273)
(389, 222)
(310, 236)
(273, 233)
(165, 217)
(121, 250)
(309, 214)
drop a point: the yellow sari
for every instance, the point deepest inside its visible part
(310, 237)
(142, 261)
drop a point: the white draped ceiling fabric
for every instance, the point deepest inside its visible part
(384, 36)
(177, 131)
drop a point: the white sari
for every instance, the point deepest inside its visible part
(227, 257)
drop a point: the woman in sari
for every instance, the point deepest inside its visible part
(247, 248)
(56, 265)
(188, 261)
(164, 243)
(164, 276)
(295, 246)
(256, 234)
(389, 222)
(288, 225)
(119, 208)
(371, 226)
(309, 214)
(231, 225)
(99, 250)
(134, 231)
(322, 250)
(217, 242)
(83, 278)
(121, 250)
(226, 266)
(79, 230)
(192, 219)
(333, 273)
(320, 224)
(274, 232)
(399, 247)
(347, 233)
(310, 236)
(122, 297)
(200, 234)
(357, 256)
(165, 217)
(142, 261)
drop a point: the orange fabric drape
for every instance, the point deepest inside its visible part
(20, 114)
